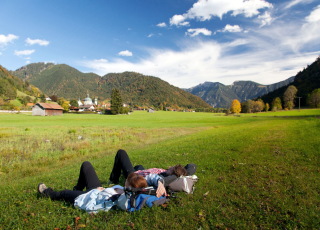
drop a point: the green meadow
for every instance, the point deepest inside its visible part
(256, 171)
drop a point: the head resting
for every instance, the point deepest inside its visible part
(136, 181)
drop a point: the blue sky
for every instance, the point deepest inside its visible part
(184, 42)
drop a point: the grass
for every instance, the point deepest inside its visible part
(261, 171)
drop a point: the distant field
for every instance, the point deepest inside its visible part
(283, 113)
(261, 170)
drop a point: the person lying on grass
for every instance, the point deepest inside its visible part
(96, 198)
(123, 164)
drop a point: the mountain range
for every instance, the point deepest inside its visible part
(219, 95)
(138, 89)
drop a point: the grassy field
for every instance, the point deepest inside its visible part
(257, 171)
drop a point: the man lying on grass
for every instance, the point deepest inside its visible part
(131, 197)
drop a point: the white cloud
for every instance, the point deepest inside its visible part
(162, 24)
(102, 60)
(6, 39)
(196, 32)
(23, 52)
(154, 35)
(178, 20)
(314, 15)
(232, 29)
(266, 55)
(125, 53)
(206, 9)
(297, 2)
(265, 19)
(40, 42)
(295, 36)
(211, 61)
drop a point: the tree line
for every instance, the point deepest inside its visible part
(287, 102)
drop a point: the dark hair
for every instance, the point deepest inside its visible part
(136, 181)
(178, 170)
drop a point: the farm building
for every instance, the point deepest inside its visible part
(46, 109)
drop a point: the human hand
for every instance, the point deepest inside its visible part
(161, 191)
(100, 188)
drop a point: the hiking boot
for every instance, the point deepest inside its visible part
(41, 188)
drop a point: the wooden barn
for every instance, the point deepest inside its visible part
(46, 109)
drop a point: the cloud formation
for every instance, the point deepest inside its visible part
(265, 55)
(314, 15)
(265, 19)
(297, 2)
(196, 32)
(206, 9)
(162, 24)
(232, 29)
(6, 39)
(40, 42)
(125, 53)
(23, 52)
(178, 20)
(210, 61)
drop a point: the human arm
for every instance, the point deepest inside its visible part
(161, 191)
(157, 182)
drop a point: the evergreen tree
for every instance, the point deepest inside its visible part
(42, 98)
(116, 102)
(74, 103)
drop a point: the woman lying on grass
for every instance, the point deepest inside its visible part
(95, 197)
(123, 164)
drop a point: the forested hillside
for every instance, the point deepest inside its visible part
(61, 80)
(139, 89)
(29, 72)
(305, 81)
(136, 89)
(11, 85)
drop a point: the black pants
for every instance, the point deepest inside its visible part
(88, 180)
(122, 164)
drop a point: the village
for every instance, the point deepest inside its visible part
(87, 105)
(50, 108)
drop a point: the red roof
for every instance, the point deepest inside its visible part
(50, 106)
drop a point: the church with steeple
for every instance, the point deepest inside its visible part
(87, 103)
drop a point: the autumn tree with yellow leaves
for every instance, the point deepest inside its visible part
(235, 106)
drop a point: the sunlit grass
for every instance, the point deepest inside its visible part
(260, 172)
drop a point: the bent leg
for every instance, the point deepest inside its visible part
(121, 163)
(87, 178)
